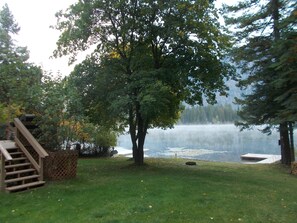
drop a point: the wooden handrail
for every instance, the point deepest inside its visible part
(33, 142)
(5, 153)
(4, 156)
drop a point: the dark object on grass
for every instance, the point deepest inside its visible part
(95, 151)
(191, 163)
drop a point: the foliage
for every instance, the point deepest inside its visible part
(7, 112)
(286, 83)
(259, 35)
(149, 57)
(100, 136)
(58, 117)
(85, 131)
(24, 89)
(209, 114)
(164, 190)
(49, 111)
(17, 76)
(264, 49)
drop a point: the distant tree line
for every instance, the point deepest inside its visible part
(209, 114)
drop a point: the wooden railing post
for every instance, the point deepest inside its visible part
(41, 168)
(17, 132)
(3, 173)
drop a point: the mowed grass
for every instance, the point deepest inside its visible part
(163, 190)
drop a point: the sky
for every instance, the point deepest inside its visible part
(35, 18)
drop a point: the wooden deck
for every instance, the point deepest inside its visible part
(260, 158)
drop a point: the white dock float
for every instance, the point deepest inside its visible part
(260, 158)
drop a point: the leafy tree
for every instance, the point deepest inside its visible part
(59, 118)
(263, 29)
(49, 108)
(16, 74)
(79, 125)
(149, 57)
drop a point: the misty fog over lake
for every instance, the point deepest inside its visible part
(205, 142)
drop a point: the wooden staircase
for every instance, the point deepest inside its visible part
(19, 169)
(20, 174)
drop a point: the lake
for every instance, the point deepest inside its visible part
(205, 142)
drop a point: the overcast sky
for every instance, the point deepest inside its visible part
(35, 18)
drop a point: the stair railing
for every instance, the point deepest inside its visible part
(5, 156)
(21, 133)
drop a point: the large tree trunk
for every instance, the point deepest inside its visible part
(137, 147)
(138, 130)
(285, 144)
(132, 131)
(141, 134)
(291, 130)
(139, 155)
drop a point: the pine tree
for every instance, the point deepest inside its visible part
(17, 76)
(261, 28)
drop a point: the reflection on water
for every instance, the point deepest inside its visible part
(206, 142)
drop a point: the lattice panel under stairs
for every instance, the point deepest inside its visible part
(60, 165)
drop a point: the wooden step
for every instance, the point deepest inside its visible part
(21, 178)
(16, 153)
(12, 148)
(19, 171)
(25, 186)
(18, 159)
(17, 165)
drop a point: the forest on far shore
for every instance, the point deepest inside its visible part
(210, 114)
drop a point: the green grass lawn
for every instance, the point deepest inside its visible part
(164, 190)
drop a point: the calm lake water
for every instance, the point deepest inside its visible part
(205, 142)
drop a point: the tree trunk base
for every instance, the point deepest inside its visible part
(294, 168)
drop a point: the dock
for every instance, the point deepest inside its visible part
(260, 158)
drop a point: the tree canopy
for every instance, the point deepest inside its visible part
(60, 119)
(148, 57)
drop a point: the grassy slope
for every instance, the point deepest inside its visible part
(113, 190)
